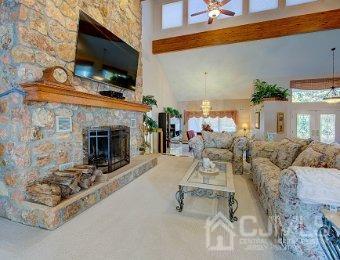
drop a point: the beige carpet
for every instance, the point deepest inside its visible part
(140, 222)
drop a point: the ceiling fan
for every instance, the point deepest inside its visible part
(214, 9)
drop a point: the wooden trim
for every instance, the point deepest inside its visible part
(307, 23)
(314, 84)
(39, 92)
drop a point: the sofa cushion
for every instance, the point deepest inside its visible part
(303, 142)
(217, 140)
(309, 158)
(285, 153)
(262, 149)
(217, 154)
(331, 151)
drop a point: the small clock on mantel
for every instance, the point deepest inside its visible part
(57, 76)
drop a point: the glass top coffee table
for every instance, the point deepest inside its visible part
(212, 185)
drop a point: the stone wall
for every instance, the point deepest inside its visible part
(36, 34)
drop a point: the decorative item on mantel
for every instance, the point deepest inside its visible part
(55, 86)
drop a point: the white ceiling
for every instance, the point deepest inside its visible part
(232, 68)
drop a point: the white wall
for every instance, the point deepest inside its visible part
(269, 109)
(155, 81)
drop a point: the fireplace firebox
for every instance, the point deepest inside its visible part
(108, 148)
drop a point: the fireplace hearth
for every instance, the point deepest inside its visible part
(108, 148)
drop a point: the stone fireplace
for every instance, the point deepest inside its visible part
(35, 35)
(108, 148)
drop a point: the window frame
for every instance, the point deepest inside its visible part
(183, 22)
(265, 10)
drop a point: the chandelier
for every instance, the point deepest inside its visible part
(332, 96)
(206, 107)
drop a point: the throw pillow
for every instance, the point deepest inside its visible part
(285, 153)
(309, 158)
(332, 152)
(217, 140)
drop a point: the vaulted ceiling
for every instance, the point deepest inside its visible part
(232, 68)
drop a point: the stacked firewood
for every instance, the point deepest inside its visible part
(62, 184)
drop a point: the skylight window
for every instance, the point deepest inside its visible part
(172, 15)
(298, 2)
(194, 7)
(234, 6)
(262, 5)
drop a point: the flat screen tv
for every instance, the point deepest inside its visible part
(104, 57)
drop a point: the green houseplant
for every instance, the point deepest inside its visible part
(173, 112)
(150, 124)
(264, 90)
(149, 100)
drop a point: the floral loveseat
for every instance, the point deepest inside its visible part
(220, 147)
(295, 223)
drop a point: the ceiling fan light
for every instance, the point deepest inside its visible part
(214, 13)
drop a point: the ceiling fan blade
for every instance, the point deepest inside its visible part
(227, 12)
(224, 2)
(210, 20)
(206, 1)
(198, 13)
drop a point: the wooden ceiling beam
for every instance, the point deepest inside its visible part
(307, 23)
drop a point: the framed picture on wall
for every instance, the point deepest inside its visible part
(280, 125)
(257, 120)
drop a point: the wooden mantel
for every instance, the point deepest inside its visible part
(39, 92)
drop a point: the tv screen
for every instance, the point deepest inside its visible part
(104, 57)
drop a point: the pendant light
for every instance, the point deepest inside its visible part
(206, 107)
(332, 96)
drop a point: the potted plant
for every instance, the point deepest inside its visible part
(144, 147)
(264, 91)
(150, 126)
(173, 112)
(149, 100)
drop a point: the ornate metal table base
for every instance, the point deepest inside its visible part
(329, 240)
(232, 202)
(180, 198)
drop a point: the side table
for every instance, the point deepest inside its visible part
(329, 234)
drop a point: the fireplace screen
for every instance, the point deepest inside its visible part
(109, 147)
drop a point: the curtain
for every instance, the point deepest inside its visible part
(224, 124)
(230, 114)
(314, 84)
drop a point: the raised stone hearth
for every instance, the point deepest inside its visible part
(38, 215)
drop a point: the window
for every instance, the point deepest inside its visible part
(298, 2)
(327, 128)
(172, 15)
(234, 6)
(199, 5)
(262, 5)
(223, 124)
(307, 96)
(303, 126)
(194, 7)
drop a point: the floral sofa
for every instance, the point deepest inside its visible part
(220, 147)
(295, 223)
